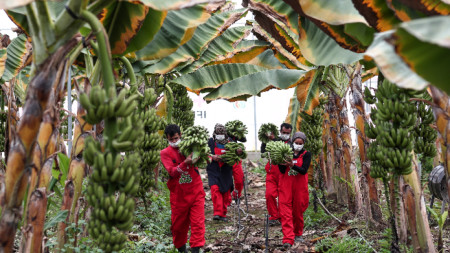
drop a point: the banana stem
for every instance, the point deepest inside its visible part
(103, 51)
(46, 25)
(130, 70)
(40, 51)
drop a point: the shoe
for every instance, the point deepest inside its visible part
(195, 250)
(224, 219)
(299, 238)
(182, 249)
(217, 217)
(274, 223)
(287, 245)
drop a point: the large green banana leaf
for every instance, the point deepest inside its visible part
(17, 54)
(8, 4)
(177, 29)
(429, 7)
(377, 13)
(165, 5)
(203, 35)
(293, 115)
(277, 10)
(337, 12)
(246, 51)
(220, 48)
(308, 91)
(254, 84)
(403, 11)
(424, 46)
(267, 60)
(3, 54)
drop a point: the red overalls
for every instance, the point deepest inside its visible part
(238, 176)
(187, 199)
(220, 200)
(272, 180)
(294, 200)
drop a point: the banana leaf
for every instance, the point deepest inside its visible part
(8, 4)
(165, 5)
(17, 55)
(247, 50)
(177, 28)
(267, 60)
(293, 117)
(203, 35)
(429, 7)
(220, 48)
(377, 13)
(3, 54)
(403, 11)
(308, 91)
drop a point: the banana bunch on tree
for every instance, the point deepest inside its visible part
(279, 152)
(231, 156)
(393, 121)
(236, 128)
(312, 126)
(195, 142)
(151, 142)
(424, 135)
(183, 115)
(265, 131)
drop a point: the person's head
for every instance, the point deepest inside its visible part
(220, 134)
(285, 131)
(298, 141)
(173, 135)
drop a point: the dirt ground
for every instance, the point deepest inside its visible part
(225, 236)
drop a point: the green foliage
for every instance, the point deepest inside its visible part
(315, 219)
(344, 244)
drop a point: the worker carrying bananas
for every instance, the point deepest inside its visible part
(294, 195)
(220, 174)
(187, 197)
(238, 173)
(272, 177)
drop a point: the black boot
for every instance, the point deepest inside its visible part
(195, 250)
(182, 249)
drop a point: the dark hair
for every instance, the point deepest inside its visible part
(171, 130)
(285, 125)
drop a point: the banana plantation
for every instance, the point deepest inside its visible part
(90, 178)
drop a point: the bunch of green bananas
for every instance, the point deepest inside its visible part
(312, 127)
(151, 143)
(393, 121)
(100, 105)
(195, 141)
(265, 130)
(231, 156)
(236, 128)
(183, 115)
(424, 135)
(115, 179)
(279, 152)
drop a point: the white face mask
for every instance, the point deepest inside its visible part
(175, 144)
(284, 137)
(298, 147)
(220, 137)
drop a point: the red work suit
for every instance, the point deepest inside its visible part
(187, 199)
(238, 176)
(293, 200)
(272, 191)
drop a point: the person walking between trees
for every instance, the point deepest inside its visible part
(220, 174)
(294, 195)
(187, 197)
(238, 173)
(272, 177)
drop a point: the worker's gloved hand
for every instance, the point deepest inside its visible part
(239, 151)
(216, 158)
(188, 160)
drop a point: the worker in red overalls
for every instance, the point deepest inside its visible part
(187, 197)
(273, 175)
(220, 174)
(294, 195)
(238, 173)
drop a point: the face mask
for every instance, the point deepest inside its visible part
(220, 137)
(298, 147)
(284, 137)
(175, 144)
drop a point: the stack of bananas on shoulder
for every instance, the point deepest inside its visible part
(265, 130)
(183, 115)
(195, 141)
(151, 144)
(231, 157)
(236, 128)
(279, 152)
(99, 105)
(394, 122)
(115, 178)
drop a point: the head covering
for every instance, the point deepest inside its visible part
(300, 135)
(220, 129)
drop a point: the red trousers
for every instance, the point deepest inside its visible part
(294, 200)
(185, 214)
(238, 176)
(272, 179)
(221, 201)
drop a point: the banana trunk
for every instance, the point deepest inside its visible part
(34, 230)
(369, 189)
(49, 75)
